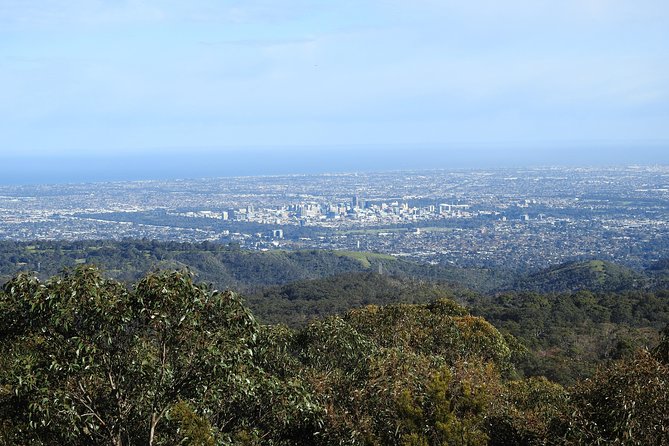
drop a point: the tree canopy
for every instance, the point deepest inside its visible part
(85, 360)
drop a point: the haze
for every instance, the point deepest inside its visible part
(94, 90)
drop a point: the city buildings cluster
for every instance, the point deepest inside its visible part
(518, 218)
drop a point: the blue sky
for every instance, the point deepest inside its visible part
(131, 77)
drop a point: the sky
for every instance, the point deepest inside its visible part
(226, 85)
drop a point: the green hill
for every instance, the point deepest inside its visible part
(659, 273)
(563, 335)
(86, 360)
(592, 275)
(224, 266)
(299, 302)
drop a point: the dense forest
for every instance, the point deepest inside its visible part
(86, 360)
(318, 347)
(227, 266)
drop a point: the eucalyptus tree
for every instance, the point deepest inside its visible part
(85, 360)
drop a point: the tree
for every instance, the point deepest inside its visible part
(626, 402)
(87, 361)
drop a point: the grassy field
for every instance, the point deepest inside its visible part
(364, 257)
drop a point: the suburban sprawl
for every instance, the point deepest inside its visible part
(514, 218)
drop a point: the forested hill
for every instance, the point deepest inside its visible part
(659, 271)
(564, 336)
(230, 267)
(592, 275)
(299, 302)
(569, 318)
(85, 360)
(225, 266)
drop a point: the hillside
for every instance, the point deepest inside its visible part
(569, 334)
(563, 336)
(85, 360)
(659, 273)
(592, 275)
(224, 266)
(227, 266)
(566, 332)
(299, 302)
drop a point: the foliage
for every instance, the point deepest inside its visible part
(626, 402)
(450, 411)
(226, 266)
(528, 412)
(441, 328)
(86, 361)
(592, 275)
(403, 374)
(567, 335)
(298, 302)
(194, 429)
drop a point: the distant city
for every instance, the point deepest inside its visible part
(526, 218)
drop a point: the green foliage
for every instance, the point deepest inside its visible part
(438, 329)
(86, 361)
(626, 402)
(457, 412)
(298, 302)
(451, 409)
(568, 335)
(593, 275)
(375, 371)
(528, 412)
(194, 429)
(227, 266)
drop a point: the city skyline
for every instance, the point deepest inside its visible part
(501, 217)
